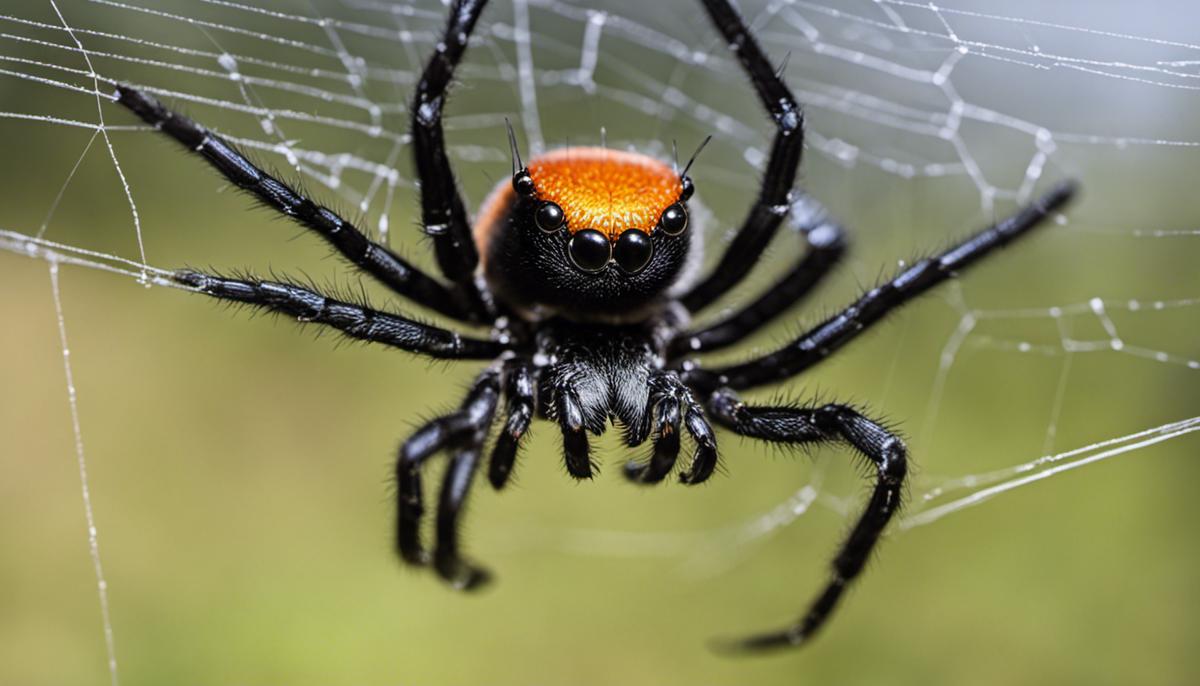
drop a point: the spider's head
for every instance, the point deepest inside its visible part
(589, 233)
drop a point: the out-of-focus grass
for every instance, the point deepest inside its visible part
(239, 472)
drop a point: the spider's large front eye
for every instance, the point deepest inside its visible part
(633, 250)
(549, 217)
(589, 250)
(674, 220)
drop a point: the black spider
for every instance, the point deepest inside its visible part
(578, 268)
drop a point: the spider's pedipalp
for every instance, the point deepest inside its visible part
(520, 405)
(704, 460)
(673, 409)
(569, 415)
(666, 444)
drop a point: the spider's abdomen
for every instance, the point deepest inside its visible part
(599, 237)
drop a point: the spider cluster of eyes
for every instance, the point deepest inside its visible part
(590, 250)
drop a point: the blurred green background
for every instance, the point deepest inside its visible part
(239, 466)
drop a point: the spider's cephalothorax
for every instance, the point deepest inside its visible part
(587, 232)
(576, 266)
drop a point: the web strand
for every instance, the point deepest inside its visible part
(93, 533)
(1043, 468)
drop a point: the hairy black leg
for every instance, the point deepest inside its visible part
(771, 206)
(519, 407)
(447, 559)
(818, 343)
(818, 425)
(674, 407)
(355, 321)
(826, 244)
(223, 156)
(442, 212)
(462, 430)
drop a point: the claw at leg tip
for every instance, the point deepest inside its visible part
(757, 644)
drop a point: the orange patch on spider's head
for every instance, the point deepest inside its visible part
(606, 190)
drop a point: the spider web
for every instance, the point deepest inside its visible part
(925, 120)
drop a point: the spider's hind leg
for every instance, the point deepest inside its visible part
(447, 559)
(463, 432)
(829, 423)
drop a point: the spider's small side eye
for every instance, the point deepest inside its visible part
(674, 220)
(523, 183)
(549, 217)
(688, 188)
(589, 250)
(633, 250)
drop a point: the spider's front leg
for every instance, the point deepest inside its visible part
(829, 423)
(779, 176)
(377, 260)
(354, 320)
(463, 433)
(442, 211)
